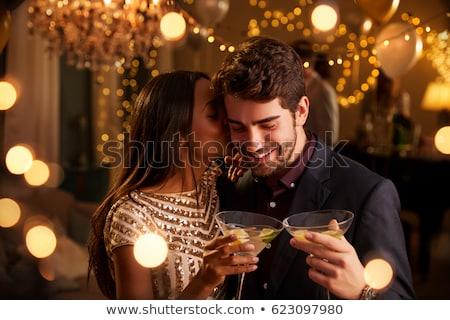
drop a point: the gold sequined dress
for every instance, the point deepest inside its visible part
(185, 225)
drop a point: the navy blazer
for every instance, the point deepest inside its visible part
(330, 181)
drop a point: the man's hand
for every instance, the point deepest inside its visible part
(334, 264)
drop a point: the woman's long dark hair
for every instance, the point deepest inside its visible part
(161, 117)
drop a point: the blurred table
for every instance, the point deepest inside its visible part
(423, 182)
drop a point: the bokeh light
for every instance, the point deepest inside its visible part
(8, 95)
(40, 241)
(324, 17)
(19, 159)
(9, 213)
(173, 26)
(442, 140)
(38, 173)
(378, 273)
(150, 250)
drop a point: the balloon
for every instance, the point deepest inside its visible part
(211, 12)
(5, 25)
(379, 10)
(398, 48)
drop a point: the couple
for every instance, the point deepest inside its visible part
(257, 100)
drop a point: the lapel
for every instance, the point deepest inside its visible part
(310, 194)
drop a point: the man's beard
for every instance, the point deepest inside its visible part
(284, 160)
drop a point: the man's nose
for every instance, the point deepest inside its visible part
(255, 136)
(255, 140)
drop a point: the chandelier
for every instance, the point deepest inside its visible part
(95, 33)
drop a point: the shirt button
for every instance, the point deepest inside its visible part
(272, 204)
(292, 185)
(265, 285)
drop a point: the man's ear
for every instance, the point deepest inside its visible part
(302, 111)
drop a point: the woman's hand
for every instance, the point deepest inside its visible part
(334, 264)
(237, 166)
(220, 259)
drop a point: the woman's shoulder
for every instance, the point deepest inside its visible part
(127, 206)
(126, 221)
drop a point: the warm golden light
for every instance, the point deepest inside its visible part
(442, 140)
(150, 250)
(95, 34)
(437, 96)
(40, 241)
(38, 173)
(19, 159)
(9, 213)
(438, 52)
(173, 26)
(366, 26)
(8, 95)
(378, 274)
(324, 17)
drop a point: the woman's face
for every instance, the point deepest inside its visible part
(209, 130)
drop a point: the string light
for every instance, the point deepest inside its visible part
(358, 46)
(347, 64)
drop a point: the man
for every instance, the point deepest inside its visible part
(323, 118)
(292, 171)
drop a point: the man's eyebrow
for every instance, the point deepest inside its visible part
(256, 121)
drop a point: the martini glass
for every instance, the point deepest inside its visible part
(333, 222)
(253, 228)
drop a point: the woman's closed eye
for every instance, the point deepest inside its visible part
(212, 112)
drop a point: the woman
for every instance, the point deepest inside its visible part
(167, 186)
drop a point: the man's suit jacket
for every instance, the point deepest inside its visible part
(330, 181)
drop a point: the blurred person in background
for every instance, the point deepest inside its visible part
(323, 118)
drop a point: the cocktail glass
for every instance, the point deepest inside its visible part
(333, 222)
(253, 228)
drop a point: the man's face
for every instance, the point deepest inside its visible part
(269, 136)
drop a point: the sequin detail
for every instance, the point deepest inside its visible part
(185, 223)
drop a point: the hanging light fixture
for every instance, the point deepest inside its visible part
(94, 33)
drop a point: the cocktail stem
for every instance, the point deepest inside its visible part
(240, 286)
